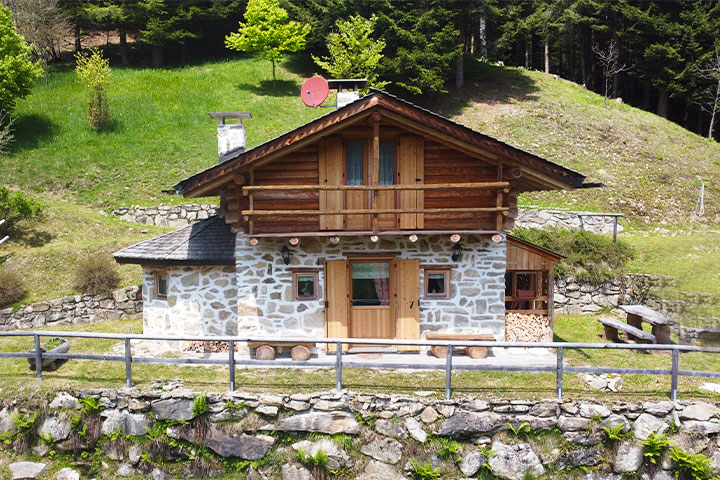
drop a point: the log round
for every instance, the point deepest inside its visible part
(438, 351)
(476, 352)
(300, 353)
(265, 352)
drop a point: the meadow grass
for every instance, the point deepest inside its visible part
(17, 378)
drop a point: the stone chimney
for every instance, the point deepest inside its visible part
(231, 136)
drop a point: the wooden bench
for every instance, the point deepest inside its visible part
(300, 352)
(612, 325)
(472, 352)
(637, 314)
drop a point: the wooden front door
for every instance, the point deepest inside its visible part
(372, 298)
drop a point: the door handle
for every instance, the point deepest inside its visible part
(412, 303)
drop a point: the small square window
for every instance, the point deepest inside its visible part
(437, 283)
(305, 285)
(161, 285)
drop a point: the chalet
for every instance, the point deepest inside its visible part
(380, 220)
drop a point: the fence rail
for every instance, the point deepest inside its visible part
(340, 362)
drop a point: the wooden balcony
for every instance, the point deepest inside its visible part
(377, 206)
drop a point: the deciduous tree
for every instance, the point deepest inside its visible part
(94, 70)
(267, 31)
(17, 71)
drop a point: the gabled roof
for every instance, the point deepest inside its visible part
(207, 242)
(543, 252)
(399, 111)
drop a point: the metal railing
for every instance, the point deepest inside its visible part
(341, 362)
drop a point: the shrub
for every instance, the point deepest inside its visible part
(96, 274)
(200, 405)
(588, 256)
(653, 446)
(6, 133)
(14, 207)
(697, 466)
(12, 287)
(425, 470)
(94, 70)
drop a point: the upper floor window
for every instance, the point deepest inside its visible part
(354, 162)
(387, 163)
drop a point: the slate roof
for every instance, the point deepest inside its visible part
(232, 162)
(206, 242)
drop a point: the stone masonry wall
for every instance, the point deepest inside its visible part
(167, 215)
(265, 304)
(564, 219)
(200, 301)
(382, 435)
(74, 309)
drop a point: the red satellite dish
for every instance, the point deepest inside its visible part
(314, 91)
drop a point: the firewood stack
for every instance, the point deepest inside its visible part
(521, 327)
(209, 347)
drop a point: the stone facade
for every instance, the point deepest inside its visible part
(266, 306)
(565, 219)
(200, 301)
(122, 303)
(167, 215)
(387, 431)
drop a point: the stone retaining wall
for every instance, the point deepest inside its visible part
(74, 309)
(565, 219)
(167, 215)
(381, 435)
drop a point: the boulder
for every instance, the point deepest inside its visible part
(291, 472)
(591, 410)
(705, 428)
(55, 427)
(379, 471)
(629, 457)
(173, 409)
(26, 470)
(337, 457)
(466, 424)
(383, 449)
(114, 421)
(415, 429)
(658, 408)
(321, 422)
(584, 439)
(390, 429)
(471, 463)
(7, 426)
(699, 411)
(64, 400)
(572, 424)
(544, 409)
(429, 415)
(646, 424)
(515, 461)
(247, 447)
(136, 424)
(267, 410)
(67, 474)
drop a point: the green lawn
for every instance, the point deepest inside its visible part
(161, 132)
(16, 377)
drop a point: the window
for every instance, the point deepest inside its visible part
(387, 163)
(305, 285)
(527, 290)
(370, 283)
(437, 283)
(354, 160)
(161, 285)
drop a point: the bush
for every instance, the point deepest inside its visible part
(588, 256)
(94, 70)
(6, 133)
(12, 287)
(96, 274)
(14, 207)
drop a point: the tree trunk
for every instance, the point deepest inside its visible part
(78, 44)
(157, 56)
(547, 55)
(584, 63)
(662, 102)
(482, 34)
(183, 53)
(616, 83)
(713, 113)
(527, 52)
(459, 71)
(124, 57)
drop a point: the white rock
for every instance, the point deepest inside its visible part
(67, 474)
(700, 411)
(646, 424)
(64, 400)
(415, 429)
(26, 470)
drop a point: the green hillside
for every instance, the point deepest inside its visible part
(162, 133)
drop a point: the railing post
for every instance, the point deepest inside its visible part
(338, 366)
(128, 363)
(448, 372)
(560, 368)
(615, 229)
(674, 374)
(38, 358)
(231, 363)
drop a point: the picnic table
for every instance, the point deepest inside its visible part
(637, 314)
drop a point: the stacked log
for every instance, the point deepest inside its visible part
(520, 327)
(209, 347)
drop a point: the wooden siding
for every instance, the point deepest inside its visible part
(521, 258)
